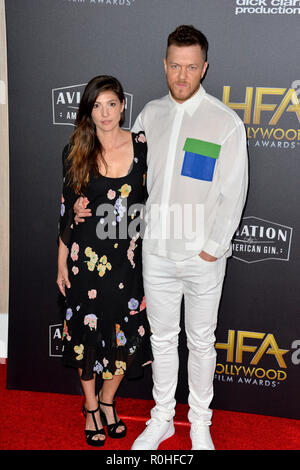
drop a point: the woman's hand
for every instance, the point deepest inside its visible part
(63, 278)
(80, 210)
(62, 267)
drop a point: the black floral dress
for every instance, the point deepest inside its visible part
(106, 328)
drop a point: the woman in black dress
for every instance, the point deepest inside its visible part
(106, 330)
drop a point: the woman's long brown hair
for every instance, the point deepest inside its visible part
(85, 147)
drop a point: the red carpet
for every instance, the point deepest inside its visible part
(46, 421)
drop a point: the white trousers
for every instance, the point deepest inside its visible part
(165, 282)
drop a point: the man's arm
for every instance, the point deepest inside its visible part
(138, 125)
(233, 181)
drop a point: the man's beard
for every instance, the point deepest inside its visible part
(186, 94)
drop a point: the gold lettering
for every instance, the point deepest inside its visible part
(293, 136)
(260, 373)
(259, 106)
(248, 371)
(246, 106)
(290, 96)
(282, 375)
(238, 369)
(243, 348)
(296, 102)
(267, 133)
(273, 349)
(278, 134)
(255, 131)
(229, 346)
(271, 371)
(221, 369)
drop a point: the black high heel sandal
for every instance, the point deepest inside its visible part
(90, 434)
(112, 428)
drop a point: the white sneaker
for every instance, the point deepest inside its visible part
(201, 438)
(156, 432)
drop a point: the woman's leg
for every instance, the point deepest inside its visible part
(107, 394)
(91, 403)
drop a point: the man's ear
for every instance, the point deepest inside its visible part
(204, 69)
(165, 65)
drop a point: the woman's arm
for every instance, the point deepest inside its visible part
(62, 267)
(65, 227)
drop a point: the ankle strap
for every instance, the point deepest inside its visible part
(91, 411)
(112, 405)
(107, 404)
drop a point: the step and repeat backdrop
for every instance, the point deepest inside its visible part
(54, 48)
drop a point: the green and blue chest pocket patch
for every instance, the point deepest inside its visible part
(200, 159)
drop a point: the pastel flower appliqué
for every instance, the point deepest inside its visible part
(91, 321)
(75, 270)
(146, 363)
(121, 367)
(69, 313)
(65, 333)
(141, 330)
(74, 251)
(62, 209)
(79, 351)
(92, 294)
(121, 339)
(141, 138)
(143, 304)
(107, 375)
(105, 362)
(103, 265)
(133, 304)
(111, 194)
(120, 210)
(125, 190)
(130, 251)
(98, 368)
(93, 258)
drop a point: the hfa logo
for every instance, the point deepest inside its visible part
(65, 103)
(246, 362)
(260, 240)
(55, 340)
(264, 110)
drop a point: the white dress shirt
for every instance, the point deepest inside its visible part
(197, 175)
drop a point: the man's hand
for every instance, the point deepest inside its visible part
(206, 257)
(80, 210)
